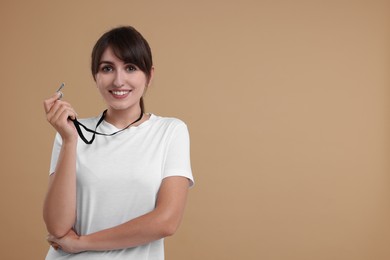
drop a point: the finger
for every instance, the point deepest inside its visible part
(56, 246)
(73, 114)
(55, 106)
(50, 238)
(54, 118)
(48, 103)
(59, 103)
(57, 109)
(65, 113)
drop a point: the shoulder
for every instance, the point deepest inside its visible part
(169, 121)
(168, 124)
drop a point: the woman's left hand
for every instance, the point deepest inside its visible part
(69, 243)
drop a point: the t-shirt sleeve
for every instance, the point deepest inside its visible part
(55, 153)
(177, 161)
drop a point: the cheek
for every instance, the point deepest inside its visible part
(100, 82)
(97, 80)
(104, 76)
(142, 81)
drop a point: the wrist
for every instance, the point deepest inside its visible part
(70, 141)
(84, 244)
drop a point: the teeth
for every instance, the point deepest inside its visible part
(120, 93)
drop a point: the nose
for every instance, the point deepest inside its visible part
(119, 79)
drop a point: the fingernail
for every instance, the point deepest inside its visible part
(61, 95)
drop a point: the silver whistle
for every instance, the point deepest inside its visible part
(59, 90)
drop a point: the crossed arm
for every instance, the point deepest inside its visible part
(163, 221)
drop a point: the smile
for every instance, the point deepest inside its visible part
(120, 93)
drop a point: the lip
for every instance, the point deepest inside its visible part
(121, 96)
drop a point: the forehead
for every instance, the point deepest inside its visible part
(109, 56)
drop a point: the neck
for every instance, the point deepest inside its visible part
(122, 118)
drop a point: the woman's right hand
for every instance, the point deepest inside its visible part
(58, 113)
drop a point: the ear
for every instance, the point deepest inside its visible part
(95, 78)
(151, 77)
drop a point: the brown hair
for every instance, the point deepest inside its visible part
(129, 46)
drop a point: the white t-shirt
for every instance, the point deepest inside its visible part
(118, 178)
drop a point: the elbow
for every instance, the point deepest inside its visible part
(168, 231)
(57, 232)
(57, 226)
(169, 227)
(55, 229)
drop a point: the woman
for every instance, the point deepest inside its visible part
(116, 194)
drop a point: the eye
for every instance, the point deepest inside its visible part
(106, 68)
(131, 68)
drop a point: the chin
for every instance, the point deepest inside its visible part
(120, 107)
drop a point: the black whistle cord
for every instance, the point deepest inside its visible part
(78, 126)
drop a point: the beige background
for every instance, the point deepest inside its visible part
(288, 108)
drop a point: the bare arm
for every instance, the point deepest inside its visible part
(163, 221)
(59, 210)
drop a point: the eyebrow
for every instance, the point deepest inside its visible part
(112, 63)
(105, 62)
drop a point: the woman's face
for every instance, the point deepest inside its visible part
(120, 84)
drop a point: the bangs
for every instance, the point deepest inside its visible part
(128, 53)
